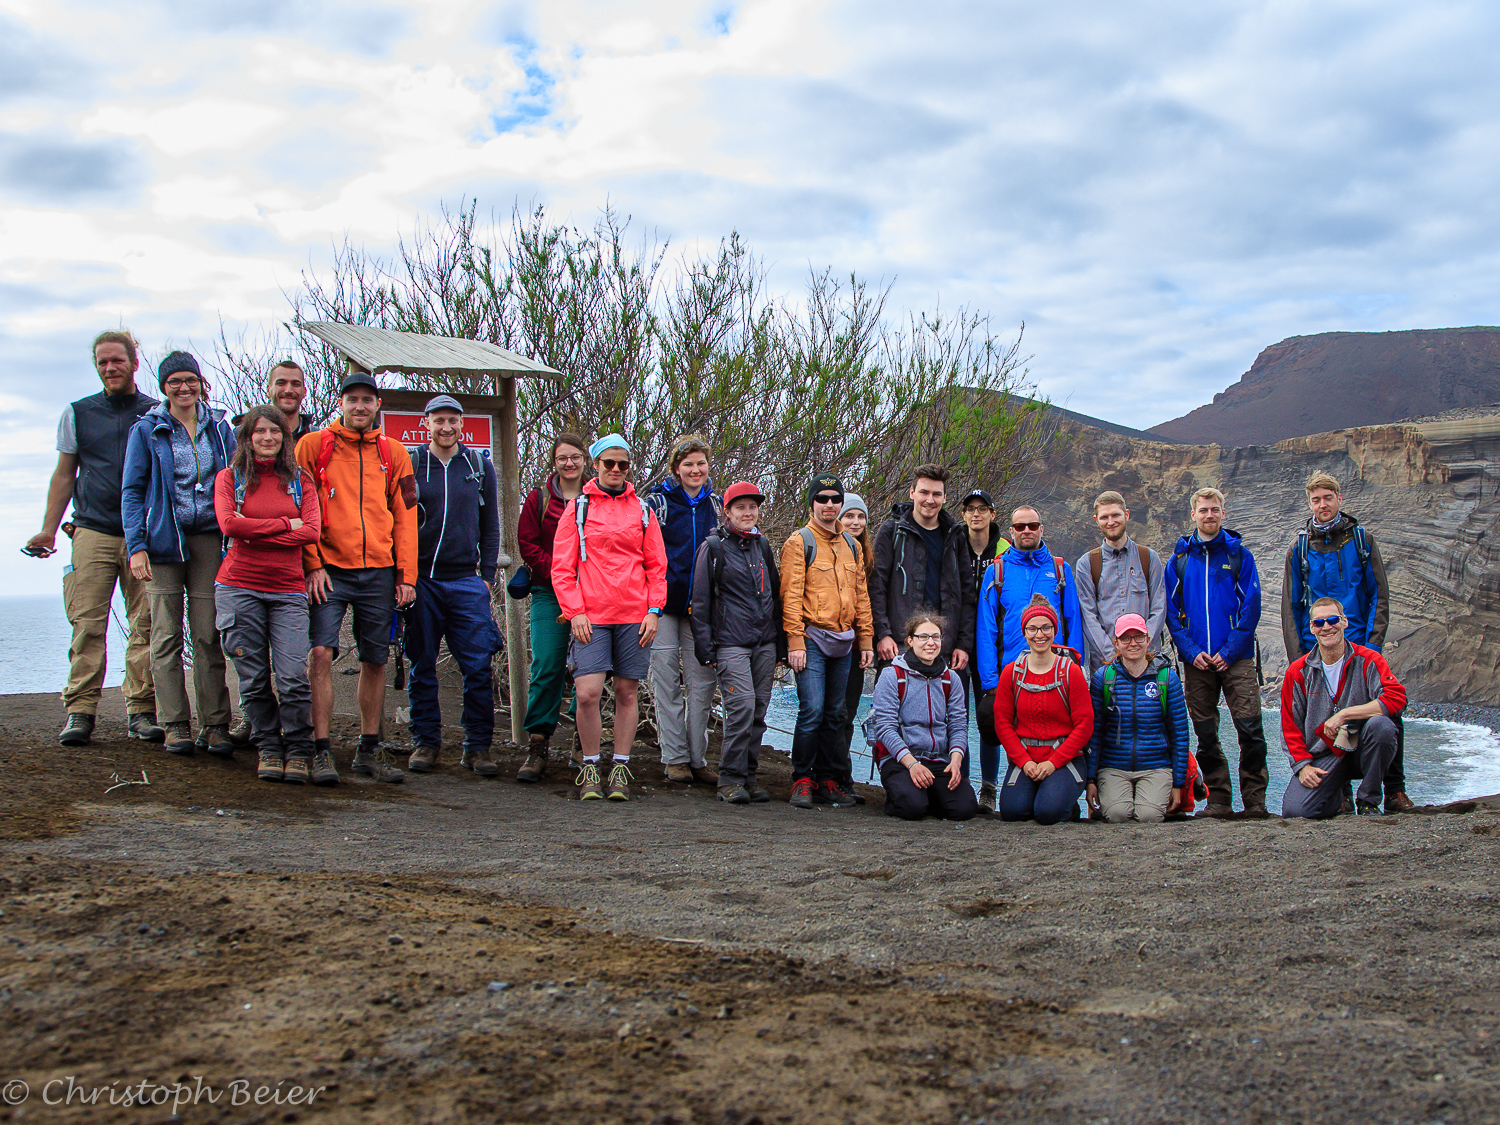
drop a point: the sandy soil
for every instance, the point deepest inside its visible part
(464, 950)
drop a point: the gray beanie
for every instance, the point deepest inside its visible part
(853, 503)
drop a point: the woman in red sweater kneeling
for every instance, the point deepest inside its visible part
(1045, 718)
(269, 509)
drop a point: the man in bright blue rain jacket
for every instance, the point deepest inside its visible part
(1213, 607)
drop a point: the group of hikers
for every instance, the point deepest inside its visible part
(264, 532)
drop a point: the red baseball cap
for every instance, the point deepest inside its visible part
(742, 490)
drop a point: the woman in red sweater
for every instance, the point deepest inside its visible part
(1045, 718)
(269, 510)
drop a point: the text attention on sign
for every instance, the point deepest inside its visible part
(410, 429)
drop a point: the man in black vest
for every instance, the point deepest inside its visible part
(90, 461)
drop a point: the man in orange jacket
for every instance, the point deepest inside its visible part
(366, 559)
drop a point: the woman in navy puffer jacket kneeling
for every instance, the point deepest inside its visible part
(922, 729)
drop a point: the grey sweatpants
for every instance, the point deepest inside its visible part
(1368, 761)
(681, 724)
(259, 631)
(745, 676)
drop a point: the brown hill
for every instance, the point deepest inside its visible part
(1313, 384)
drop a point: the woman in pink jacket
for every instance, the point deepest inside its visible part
(609, 572)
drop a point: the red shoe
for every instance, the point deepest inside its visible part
(802, 793)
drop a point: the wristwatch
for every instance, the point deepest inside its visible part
(655, 609)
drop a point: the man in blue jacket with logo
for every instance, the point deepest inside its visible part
(458, 544)
(1213, 607)
(1028, 568)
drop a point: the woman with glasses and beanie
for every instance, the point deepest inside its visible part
(1044, 719)
(1138, 757)
(854, 517)
(609, 572)
(268, 510)
(172, 457)
(682, 690)
(922, 729)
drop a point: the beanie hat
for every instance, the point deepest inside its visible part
(1041, 609)
(853, 503)
(174, 363)
(824, 482)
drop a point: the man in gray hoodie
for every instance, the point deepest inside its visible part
(1118, 577)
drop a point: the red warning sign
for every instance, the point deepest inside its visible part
(411, 429)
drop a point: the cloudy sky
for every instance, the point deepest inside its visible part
(1157, 189)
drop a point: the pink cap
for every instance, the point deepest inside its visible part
(1129, 623)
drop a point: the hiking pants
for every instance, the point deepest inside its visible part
(1202, 686)
(681, 723)
(456, 610)
(549, 660)
(817, 749)
(261, 631)
(170, 584)
(744, 675)
(1368, 761)
(1142, 794)
(989, 752)
(1055, 799)
(99, 561)
(904, 799)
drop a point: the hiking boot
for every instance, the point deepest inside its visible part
(480, 762)
(1217, 811)
(142, 725)
(296, 771)
(679, 773)
(827, 792)
(422, 759)
(1366, 808)
(270, 767)
(1255, 812)
(590, 786)
(734, 794)
(77, 730)
(179, 739)
(848, 787)
(705, 775)
(619, 782)
(986, 797)
(802, 793)
(374, 763)
(534, 768)
(757, 795)
(1398, 802)
(239, 734)
(216, 741)
(322, 771)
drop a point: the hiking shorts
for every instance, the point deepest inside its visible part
(611, 648)
(371, 593)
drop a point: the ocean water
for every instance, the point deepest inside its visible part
(1444, 761)
(34, 639)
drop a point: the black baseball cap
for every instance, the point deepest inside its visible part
(359, 379)
(976, 494)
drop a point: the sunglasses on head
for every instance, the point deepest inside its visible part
(611, 463)
(828, 498)
(1319, 622)
(1036, 526)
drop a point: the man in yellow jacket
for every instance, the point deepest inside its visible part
(825, 607)
(366, 559)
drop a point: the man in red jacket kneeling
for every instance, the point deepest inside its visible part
(1337, 703)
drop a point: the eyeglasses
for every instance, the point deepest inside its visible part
(977, 509)
(1026, 526)
(1320, 622)
(189, 382)
(828, 498)
(611, 464)
(1132, 639)
(927, 638)
(573, 460)
(1037, 630)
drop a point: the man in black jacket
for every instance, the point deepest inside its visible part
(920, 564)
(91, 439)
(736, 621)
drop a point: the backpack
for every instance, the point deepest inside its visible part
(878, 751)
(1059, 677)
(1096, 564)
(476, 459)
(1304, 546)
(581, 515)
(998, 565)
(326, 444)
(810, 546)
(239, 490)
(1193, 781)
(658, 502)
(716, 549)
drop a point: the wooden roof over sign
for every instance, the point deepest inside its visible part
(380, 349)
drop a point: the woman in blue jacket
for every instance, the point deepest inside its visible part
(172, 535)
(1138, 758)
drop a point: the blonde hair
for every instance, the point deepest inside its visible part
(1106, 498)
(1211, 493)
(1320, 479)
(683, 445)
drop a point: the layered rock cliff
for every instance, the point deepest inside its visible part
(1428, 491)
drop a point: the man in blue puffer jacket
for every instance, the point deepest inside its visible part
(1213, 607)
(687, 508)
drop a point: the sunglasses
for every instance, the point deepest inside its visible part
(1026, 526)
(1320, 622)
(612, 464)
(828, 498)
